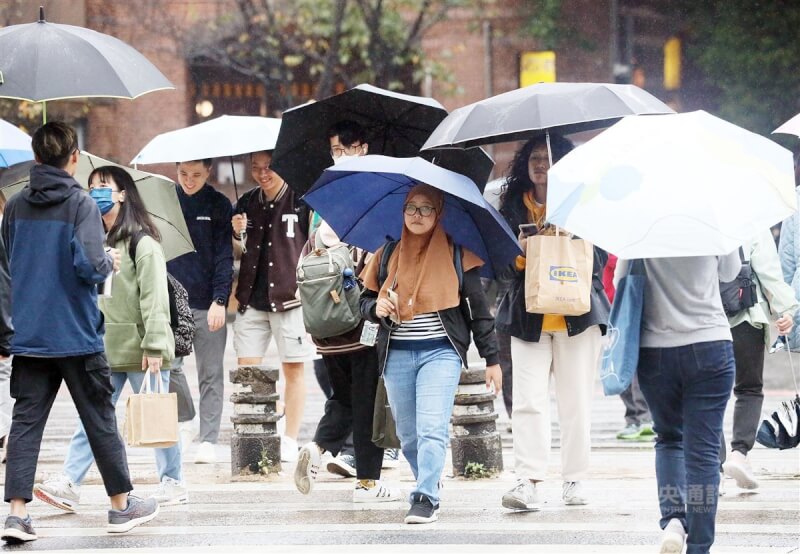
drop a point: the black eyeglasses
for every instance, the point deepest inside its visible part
(352, 150)
(424, 211)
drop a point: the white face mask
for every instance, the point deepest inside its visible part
(343, 158)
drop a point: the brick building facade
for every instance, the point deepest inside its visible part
(481, 52)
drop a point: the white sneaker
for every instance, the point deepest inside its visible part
(305, 473)
(673, 538)
(377, 493)
(59, 492)
(206, 453)
(523, 496)
(187, 431)
(288, 449)
(391, 458)
(171, 492)
(737, 467)
(572, 493)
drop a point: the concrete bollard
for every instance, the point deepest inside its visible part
(255, 437)
(475, 438)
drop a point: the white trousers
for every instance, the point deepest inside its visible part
(574, 362)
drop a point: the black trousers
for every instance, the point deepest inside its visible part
(34, 385)
(354, 380)
(324, 382)
(748, 388)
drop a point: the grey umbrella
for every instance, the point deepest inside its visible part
(158, 194)
(563, 107)
(46, 61)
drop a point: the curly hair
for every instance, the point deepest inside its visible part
(518, 180)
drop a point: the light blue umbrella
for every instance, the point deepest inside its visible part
(362, 200)
(15, 145)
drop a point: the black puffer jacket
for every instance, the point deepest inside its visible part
(471, 316)
(513, 319)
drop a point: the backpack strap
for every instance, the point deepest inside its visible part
(388, 249)
(383, 266)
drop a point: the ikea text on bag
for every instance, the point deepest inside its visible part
(558, 275)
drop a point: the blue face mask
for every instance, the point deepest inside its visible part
(102, 196)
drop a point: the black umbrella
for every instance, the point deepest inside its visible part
(46, 61)
(397, 125)
(782, 428)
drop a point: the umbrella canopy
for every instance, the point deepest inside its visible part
(47, 61)
(15, 145)
(563, 107)
(362, 200)
(228, 135)
(158, 194)
(677, 185)
(397, 125)
(791, 127)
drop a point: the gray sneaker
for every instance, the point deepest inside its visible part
(18, 530)
(523, 496)
(138, 512)
(59, 492)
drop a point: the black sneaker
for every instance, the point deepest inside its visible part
(19, 530)
(422, 510)
(138, 511)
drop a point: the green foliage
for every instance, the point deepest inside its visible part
(749, 52)
(476, 470)
(545, 22)
(328, 41)
(266, 466)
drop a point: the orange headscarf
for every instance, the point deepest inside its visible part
(421, 269)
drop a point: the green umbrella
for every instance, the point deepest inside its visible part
(158, 194)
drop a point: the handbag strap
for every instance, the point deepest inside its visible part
(147, 389)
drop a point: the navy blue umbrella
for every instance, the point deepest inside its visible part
(362, 200)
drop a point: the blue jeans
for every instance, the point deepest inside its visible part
(421, 378)
(687, 389)
(79, 454)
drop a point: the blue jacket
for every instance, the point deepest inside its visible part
(789, 253)
(54, 237)
(207, 273)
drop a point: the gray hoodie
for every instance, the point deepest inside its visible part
(682, 304)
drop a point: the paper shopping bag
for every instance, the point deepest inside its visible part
(558, 275)
(151, 417)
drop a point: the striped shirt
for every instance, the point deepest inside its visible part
(422, 327)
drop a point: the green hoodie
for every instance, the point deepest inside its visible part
(137, 314)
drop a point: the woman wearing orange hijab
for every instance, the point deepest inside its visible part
(426, 321)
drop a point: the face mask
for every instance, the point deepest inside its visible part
(102, 196)
(343, 158)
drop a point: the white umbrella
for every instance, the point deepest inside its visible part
(15, 145)
(791, 127)
(674, 185)
(228, 135)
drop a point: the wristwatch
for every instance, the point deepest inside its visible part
(220, 301)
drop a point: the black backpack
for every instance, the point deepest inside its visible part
(740, 294)
(181, 320)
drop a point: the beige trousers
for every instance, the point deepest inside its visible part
(574, 362)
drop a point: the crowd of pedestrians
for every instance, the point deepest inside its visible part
(422, 298)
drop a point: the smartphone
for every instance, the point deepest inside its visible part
(392, 295)
(528, 229)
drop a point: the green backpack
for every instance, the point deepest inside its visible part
(329, 291)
